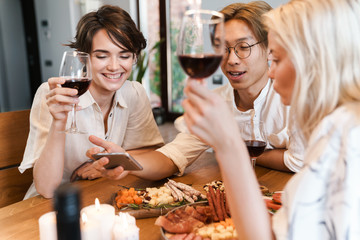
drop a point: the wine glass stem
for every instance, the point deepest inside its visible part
(253, 161)
(73, 121)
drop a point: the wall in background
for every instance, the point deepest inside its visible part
(56, 25)
(14, 76)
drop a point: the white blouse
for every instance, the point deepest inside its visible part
(130, 124)
(322, 201)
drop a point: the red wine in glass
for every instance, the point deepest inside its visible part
(81, 84)
(254, 135)
(201, 42)
(75, 68)
(201, 65)
(255, 147)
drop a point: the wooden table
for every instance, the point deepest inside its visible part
(20, 220)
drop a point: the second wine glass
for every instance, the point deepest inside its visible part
(76, 69)
(201, 42)
(254, 136)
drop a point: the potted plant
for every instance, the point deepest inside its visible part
(141, 67)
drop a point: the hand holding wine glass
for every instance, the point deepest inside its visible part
(76, 69)
(201, 42)
(254, 136)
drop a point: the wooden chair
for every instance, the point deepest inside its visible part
(14, 130)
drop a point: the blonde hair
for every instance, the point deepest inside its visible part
(322, 37)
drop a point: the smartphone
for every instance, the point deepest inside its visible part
(119, 159)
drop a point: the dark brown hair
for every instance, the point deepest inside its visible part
(118, 25)
(251, 13)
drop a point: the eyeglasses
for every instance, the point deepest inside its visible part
(242, 49)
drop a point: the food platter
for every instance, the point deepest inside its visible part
(154, 202)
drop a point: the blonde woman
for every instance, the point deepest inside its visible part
(315, 55)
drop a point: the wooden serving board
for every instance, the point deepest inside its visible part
(146, 213)
(152, 212)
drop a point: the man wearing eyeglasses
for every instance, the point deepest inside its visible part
(249, 93)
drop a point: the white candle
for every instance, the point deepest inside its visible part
(104, 215)
(90, 229)
(125, 228)
(47, 226)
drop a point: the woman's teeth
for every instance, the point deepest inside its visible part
(112, 76)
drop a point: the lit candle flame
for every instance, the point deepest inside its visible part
(84, 218)
(97, 204)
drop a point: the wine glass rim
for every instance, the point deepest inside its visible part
(209, 12)
(76, 52)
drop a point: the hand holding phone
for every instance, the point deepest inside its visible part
(119, 159)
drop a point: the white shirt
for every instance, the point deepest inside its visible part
(322, 201)
(130, 124)
(186, 148)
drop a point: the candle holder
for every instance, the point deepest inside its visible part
(125, 227)
(47, 226)
(104, 215)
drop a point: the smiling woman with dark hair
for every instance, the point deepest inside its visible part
(113, 108)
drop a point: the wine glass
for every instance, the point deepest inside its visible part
(76, 69)
(254, 136)
(201, 42)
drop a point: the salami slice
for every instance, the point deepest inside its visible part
(271, 205)
(277, 197)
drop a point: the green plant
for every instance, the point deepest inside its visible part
(155, 82)
(142, 63)
(177, 74)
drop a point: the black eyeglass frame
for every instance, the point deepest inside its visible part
(228, 49)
